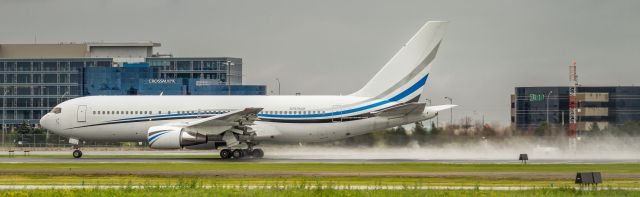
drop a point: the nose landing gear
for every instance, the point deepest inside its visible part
(77, 153)
(76, 148)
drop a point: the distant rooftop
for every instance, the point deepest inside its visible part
(79, 50)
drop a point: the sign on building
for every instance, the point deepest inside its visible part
(536, 97)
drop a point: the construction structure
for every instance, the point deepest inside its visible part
(573, 104)
(576, 107)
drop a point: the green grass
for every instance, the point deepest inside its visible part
(38, 173)
(387, 181)
(324, 167)
(301, 191)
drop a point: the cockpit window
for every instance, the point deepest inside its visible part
(57, 110)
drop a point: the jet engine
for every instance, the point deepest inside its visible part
(171, 137)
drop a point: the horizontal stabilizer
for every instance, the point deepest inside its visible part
(402, 110)
(437, 108)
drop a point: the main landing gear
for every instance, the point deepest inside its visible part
(241, 153)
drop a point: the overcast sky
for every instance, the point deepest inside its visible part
(334, 47)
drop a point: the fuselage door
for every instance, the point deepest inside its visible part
(82, 113)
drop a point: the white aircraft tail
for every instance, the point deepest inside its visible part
(403, 78)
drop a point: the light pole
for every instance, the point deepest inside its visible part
(62, 97)
(4, 103)
(451, 109)
(228, 77)
(548, 95)
(278, 80)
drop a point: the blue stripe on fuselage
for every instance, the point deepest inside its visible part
(396, 98)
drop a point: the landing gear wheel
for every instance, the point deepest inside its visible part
(225, 153)
(257, 153)
(237, 153)
(77, 154)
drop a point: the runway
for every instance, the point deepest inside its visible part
(160, 159)
(289, 156)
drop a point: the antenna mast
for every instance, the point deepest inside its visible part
(573, 104)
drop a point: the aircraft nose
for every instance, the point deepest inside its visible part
(45, 122)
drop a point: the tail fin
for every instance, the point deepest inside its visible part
(402, 79)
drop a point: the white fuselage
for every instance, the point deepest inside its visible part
(384, 102)
(283, 118)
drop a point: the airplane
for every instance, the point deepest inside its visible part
(237, 124)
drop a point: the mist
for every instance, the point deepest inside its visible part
(547, 149)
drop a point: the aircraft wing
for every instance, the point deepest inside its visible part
(402, 110)
(223, 122)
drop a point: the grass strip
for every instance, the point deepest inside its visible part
(258, 181)
(323, 167)
(300, 191)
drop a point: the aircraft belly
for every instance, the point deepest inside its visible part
(318, 132)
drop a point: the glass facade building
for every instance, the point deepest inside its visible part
(531, 106)
(31, 87)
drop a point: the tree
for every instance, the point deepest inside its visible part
(487, 130)
(595, 127)
(419, 132)
(419, 129)
(397, 136)
(24, 128)
(541, 130)
(434, 129)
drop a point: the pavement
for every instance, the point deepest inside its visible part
(311, 155)
(274, 159)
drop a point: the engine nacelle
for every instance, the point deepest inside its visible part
(171, 137)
